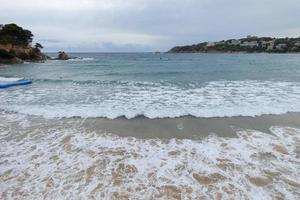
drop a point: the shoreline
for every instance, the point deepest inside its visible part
(185, 127)
(188, 127)
(233, 52)
(51, 157)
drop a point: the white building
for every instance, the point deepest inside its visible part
(211, 44)
(251, 44)
(297, 44)
(234, 42)
(1, 26)
(271, 45)
(265, 44)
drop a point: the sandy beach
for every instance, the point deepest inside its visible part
(123, 159)
(149, 100)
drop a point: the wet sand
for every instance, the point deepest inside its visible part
(187, 127)
(70, 158)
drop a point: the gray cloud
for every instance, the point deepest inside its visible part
(144, 25)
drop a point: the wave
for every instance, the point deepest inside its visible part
(102, 82)
(81, 59)
(65, 111)
(55, 162)
(155, 100)
(150, 73)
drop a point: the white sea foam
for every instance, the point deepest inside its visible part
(9, 79)
(81, 59)
(59, 163)
(154, 100)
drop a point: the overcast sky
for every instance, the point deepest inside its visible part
(148, 25)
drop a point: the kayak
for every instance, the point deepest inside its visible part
(14, 83)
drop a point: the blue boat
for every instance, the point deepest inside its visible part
(14, 83)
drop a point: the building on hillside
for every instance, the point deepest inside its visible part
(271, 45)
(266, 44)
(1, 27)
(251, 36)
(234, 42)
(297, 44)
(281, 46)
(211, 44)
(251, 44)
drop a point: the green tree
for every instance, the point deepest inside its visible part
(38, 46)
(15, 35)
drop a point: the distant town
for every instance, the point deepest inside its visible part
(250, 44)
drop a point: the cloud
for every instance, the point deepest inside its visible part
(149, 24)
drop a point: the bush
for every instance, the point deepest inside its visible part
(16, 35)
(6, 55)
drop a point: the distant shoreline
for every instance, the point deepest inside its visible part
(184, 127)
(251, 44)
(233, 52)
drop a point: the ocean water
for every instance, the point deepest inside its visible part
(47, 150)
(157, 85)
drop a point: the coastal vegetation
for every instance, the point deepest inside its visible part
(15, 35)
(16, 45)
(250, 44)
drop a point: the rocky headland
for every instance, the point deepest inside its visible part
(250, 44)
(16, 45)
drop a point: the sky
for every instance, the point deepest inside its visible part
(148, 25)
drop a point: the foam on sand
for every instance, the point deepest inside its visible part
(38, 162)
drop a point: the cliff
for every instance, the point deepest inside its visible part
(251, 44)
(17, 54)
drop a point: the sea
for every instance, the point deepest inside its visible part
(152, 126)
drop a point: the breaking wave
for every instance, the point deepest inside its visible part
(113, 99)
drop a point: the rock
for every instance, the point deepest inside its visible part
(63, 56)
(13, 60)
(16, 61)
(8, 57)
(18, 55)
(38, 57)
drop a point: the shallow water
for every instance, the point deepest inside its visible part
(40, 161)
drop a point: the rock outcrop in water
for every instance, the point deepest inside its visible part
(16, 47)
(63, 56)
(251, 44)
